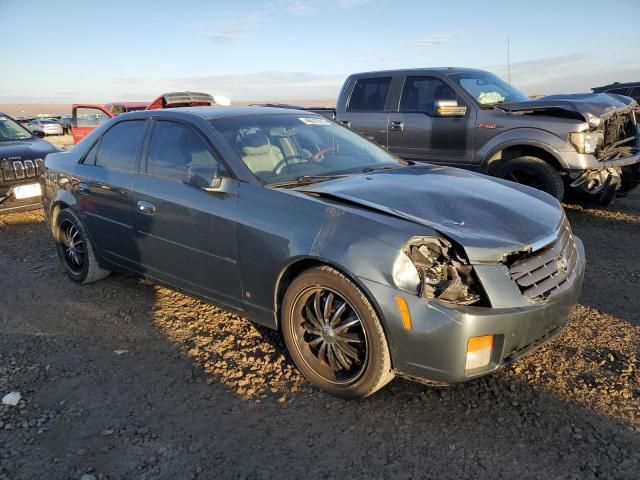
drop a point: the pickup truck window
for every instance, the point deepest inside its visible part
(488, 89)
(369, 95)
(420, 93)
(173, 149)
(119, 146)
(90, 117)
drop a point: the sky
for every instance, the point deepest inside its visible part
(273, 50)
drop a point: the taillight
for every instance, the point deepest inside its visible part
(7, 170)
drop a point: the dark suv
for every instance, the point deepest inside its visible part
(21, 159)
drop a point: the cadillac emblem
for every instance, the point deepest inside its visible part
(562, 264)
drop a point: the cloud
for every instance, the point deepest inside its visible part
(260, 86)
(432, 40)
(350, 3)
(295, 7)
(564, 74)
(231, 30)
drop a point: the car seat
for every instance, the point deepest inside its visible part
(258, 153)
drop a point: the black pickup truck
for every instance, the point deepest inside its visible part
(586, 145)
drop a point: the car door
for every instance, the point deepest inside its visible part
(103, 191)
(366, 111)
(85, 119)
(417, 133)
(186, 236)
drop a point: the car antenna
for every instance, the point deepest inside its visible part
(509, 73)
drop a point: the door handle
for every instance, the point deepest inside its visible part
(397, 126)
(84, 189)
(146, 208)
(346, 123)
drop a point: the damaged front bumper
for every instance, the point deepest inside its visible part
(434, 350)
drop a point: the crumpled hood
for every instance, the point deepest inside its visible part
(26, 149)
(489, 217)
(597, 104)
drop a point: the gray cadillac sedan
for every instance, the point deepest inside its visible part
(368, 265)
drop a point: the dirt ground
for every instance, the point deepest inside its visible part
(122, 379)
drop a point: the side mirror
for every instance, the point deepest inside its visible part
(449, 108)
(208, 178)
(38, 133)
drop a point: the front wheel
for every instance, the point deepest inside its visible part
(333, 334)
(75, 250)
(533, 172)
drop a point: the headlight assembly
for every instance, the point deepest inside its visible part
(586, 142)
(440, 272)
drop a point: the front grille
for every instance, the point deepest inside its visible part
(550, 270)
(20, 169)
(619, 136)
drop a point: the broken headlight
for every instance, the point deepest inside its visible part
(586, 142)
(431, 268)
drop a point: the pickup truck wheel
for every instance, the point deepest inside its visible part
(333, 334)
(533, 172)
(75, 250)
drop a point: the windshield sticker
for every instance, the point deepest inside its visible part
(314, 121)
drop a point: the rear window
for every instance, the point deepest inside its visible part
(369, 95)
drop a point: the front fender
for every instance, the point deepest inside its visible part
(531, 137)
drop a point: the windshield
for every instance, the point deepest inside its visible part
(294, 147)
(10, 130)
(488, 89)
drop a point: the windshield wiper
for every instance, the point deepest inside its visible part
(308, 179)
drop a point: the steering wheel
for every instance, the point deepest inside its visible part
(280, 165)
(321, 152)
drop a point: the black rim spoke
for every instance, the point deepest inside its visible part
(72, 246)
(332, 337)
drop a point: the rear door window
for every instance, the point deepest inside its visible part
(119, 146)
(369, 95)
(174, 148)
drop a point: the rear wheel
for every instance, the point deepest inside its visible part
(75, 250)
(533, 172)
(334, 335)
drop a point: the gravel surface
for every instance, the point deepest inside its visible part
(122, 379)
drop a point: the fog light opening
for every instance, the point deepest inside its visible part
(479, 352)
(403, 308)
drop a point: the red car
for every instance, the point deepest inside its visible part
(86, 117)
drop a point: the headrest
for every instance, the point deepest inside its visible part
(255, 144)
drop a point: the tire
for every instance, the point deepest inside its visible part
(533, 172)
(355, 371)
(75, 250)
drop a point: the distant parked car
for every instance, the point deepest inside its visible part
(369, 265)
(46, 127)
(21, 160)
(66, 123)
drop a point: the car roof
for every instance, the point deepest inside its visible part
(616, 85)
(422, 70)
(215, 112)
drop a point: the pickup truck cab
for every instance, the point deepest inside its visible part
(582, 144)
(86, 117)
